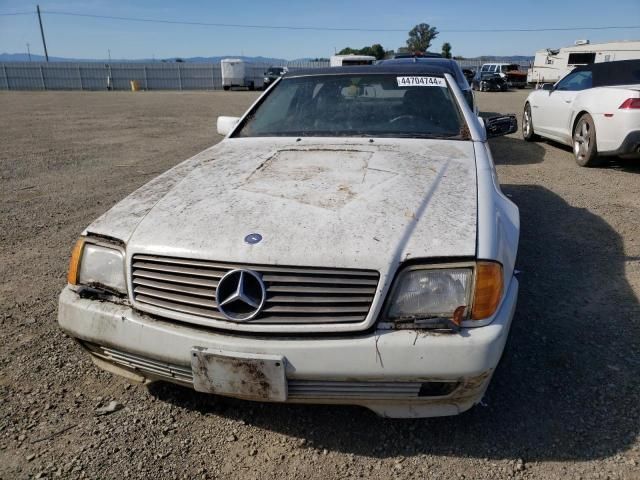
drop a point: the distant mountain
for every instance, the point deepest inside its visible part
(23, 57)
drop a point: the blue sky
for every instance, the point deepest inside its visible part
(90, 38)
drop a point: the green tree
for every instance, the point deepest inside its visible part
(375, 50)
(446, 50)
(420, 37)
(348, 51)
(365, 51)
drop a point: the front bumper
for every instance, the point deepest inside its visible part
(351, 369)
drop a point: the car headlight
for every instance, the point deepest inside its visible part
(97, 265)
(454, 293)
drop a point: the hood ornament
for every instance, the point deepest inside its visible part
(240, 295)
(253, 238)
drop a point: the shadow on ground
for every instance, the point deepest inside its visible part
(515, 151)
(512, 150)
(567, 386)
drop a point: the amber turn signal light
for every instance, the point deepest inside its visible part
(488, 289)
(74, 263)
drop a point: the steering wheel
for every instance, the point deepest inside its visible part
(406, 116)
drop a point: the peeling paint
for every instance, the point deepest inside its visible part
(328, 203)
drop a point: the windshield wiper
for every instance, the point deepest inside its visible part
(434, 136)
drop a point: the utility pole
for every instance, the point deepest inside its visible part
(28, 51)
(44, 43)
(109, 52)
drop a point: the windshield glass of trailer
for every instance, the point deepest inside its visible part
(415, 106)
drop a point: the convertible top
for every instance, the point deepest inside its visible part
(623, 72)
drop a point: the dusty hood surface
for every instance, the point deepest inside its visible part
(315, 202)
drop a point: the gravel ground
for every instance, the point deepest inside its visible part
(564, 402)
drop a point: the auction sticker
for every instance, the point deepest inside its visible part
(421, 82)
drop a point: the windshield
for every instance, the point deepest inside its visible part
(417, 106)
(275, 70)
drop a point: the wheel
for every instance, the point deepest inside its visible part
(252, 86)
(527, 125)
(226, 87)
(584, 142)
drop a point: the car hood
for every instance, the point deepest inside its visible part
(315, 202)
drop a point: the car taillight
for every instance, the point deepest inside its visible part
(630, 103)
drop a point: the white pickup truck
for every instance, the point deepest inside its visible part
(595, 109)
(509, 71)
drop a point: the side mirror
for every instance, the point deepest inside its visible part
(547, 86)
(226, 124)
(502, 125)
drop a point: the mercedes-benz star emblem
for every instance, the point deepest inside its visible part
(240, 295)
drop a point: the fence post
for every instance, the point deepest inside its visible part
(44, 86)
(213, 79)
(146, 83)
(179, 77)
(80, 77)
(6, 77)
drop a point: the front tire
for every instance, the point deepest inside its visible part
(527, 125)
(584, 142)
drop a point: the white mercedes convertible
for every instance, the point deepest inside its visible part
(347, 242)
(595, 109)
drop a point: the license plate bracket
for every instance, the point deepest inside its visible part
(253, 376)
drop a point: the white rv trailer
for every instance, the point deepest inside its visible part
(550, 65)
(234, 74)
(344, 60)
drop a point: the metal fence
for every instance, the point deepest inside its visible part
(150, 76)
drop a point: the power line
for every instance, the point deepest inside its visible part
(16, 13)
(559, 29)
(333, 29)
(231, 25)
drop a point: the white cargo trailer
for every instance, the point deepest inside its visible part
(235, 74)
(550, 65)
(344, 60)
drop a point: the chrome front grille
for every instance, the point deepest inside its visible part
(295, 295)
(143, 365)
(351, 389)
